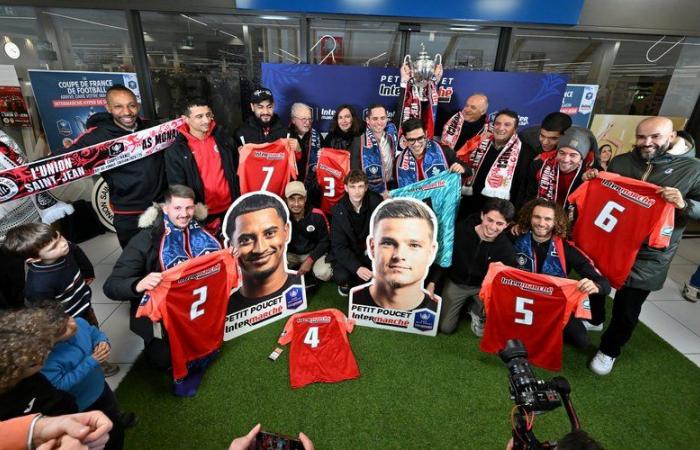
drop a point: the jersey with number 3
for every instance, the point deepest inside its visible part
(616, 215)
(333, 165)
(320, 349)
(191, 300)
(266, 167)
(531, 307)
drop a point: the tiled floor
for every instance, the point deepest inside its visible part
(674, 319)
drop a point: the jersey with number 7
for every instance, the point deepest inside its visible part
(616, 215)
(266, 167)
(192, 300)
(320, 349)
(531, 307)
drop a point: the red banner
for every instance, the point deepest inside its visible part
(46, 174)
(13, 110)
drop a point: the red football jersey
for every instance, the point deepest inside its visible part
(531, 307)
(320, 349)
(616, 215)
(333, 166)
(192, 300)
(266, 167)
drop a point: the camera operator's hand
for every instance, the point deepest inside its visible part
(587, 286)
(509, 445)
(244, 442)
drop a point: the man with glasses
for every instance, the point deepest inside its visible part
(203, 157)
(309, 140)
(422, 158)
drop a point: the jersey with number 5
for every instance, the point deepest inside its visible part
(616, 215)
(331, 170)
(531, 307)
(320, 349)
(266, 167)
(191, 300)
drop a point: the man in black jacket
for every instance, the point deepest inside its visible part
(264, 125)
(310, 242)
(203, 157)
(134, 186)
(349, 231)
(140, 266)
(478, 242)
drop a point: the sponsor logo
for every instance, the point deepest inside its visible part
(666, 231)
(8, 189)
(424, 320)
(294, 296)
(668, 171)
(64, 128)
(116, 149)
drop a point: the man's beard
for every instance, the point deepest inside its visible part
(261, 275)
(659, 150)
(264, 124)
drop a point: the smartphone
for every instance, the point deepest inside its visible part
(274, 441)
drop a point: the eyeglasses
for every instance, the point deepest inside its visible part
(419, 139)
(304, 119)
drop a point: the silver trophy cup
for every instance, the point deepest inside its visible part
(423, 67)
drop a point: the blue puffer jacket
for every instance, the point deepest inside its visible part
(71, 367)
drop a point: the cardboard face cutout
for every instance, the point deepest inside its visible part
(258, 228)
(402, 244)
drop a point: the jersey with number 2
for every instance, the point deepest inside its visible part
(531, 307)
(320, 349)
(192, 300)
(616, 215)
(266, 167)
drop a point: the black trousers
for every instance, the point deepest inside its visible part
(627, 306)
(127, 226)
(107, 403)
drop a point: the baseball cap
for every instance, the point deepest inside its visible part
(295, 188)
(576, 139)
(260, 95)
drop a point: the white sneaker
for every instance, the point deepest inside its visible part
(478, 323)
(601, 363)
(590, 327)
(691, 293)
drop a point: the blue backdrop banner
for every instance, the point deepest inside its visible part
(578, 103)
(66, 100)
(324, 87)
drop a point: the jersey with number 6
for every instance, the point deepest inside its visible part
(266, 167)
(531, 307)
(331, 170)
(616, 215)
(320, 349)
(191, 300)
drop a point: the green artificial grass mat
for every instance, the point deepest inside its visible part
(414, 392)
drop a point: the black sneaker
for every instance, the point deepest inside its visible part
(128, 419)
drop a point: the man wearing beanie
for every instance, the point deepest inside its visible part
(554, 177)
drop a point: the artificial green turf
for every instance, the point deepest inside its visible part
(414, 392)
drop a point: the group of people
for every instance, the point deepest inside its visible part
(514, 209)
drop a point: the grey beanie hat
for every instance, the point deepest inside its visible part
(576, 139)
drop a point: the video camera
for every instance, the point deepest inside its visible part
(533, 396)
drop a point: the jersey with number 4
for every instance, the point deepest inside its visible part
(616, 215)
(320, 349)
(266, 167)
(331, 170)
(531, 307)
(191, 300)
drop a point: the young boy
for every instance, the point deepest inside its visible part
(56, 269)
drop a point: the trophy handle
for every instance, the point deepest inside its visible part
(407, 59)
(438, 59)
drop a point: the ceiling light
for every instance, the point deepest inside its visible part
(274, 17)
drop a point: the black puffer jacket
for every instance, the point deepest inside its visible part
(651, 266)
(134, 186)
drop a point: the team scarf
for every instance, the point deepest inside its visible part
(453, 128)
(434, 162)
(548, 179)
(371, 157)
(49, 208)
(500, 176)
(554, 262)
(412, 105)
(313, 147)
(179, 245)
